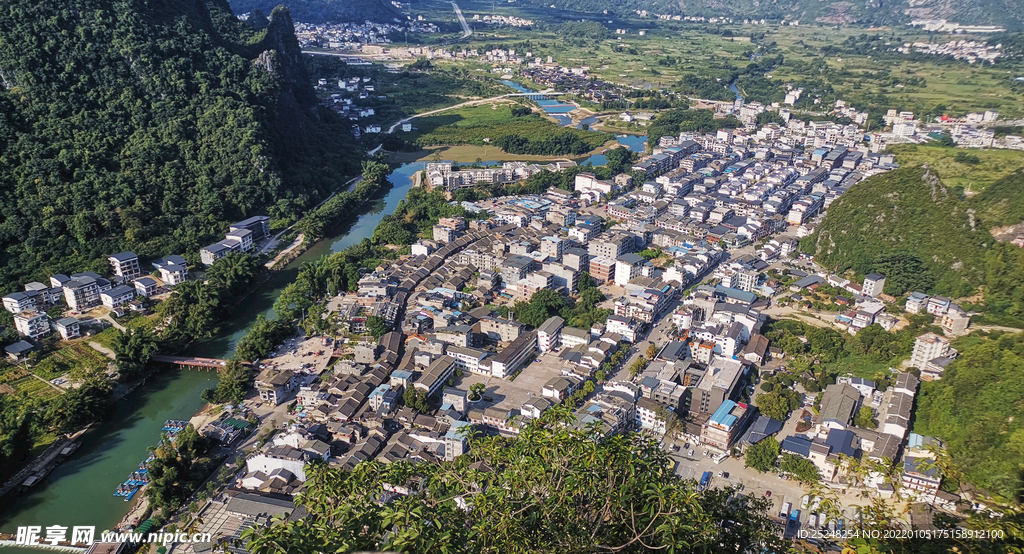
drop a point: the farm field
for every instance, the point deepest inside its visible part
(699, 60)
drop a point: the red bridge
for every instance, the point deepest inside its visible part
(190, 362)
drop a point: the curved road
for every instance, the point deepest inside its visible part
(463, 105)
(466, 31)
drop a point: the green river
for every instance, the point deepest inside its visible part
(80, 491)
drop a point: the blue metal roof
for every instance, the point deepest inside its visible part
(722, 415)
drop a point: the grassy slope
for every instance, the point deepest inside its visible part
(993, 166)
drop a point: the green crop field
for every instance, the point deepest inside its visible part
(480, 125)
(852, 63)
(74, 356)
(34, 387)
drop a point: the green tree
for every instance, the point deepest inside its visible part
(764, 455)
(638, 366)
(904, 272)
(801, 468)
(132, 349)
(261, 339)
(865, 418)
(376, 326)
(778, 403)
(619, 160)
(78, 407)
(234, 381)
(476, 391)
(588, 502)
(416, 399)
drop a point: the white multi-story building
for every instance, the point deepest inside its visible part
(117, 296)
(32, 324)
(627, 268)
(873, 285)
(173, 270)
(928, 347)
(126, 265)
(549, 333)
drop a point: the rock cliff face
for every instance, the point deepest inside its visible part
(282, 57)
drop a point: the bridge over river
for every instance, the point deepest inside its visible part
(191, 361)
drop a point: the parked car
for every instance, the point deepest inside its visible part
(767, 494)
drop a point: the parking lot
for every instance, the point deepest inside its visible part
(513, 394)
(753, 483)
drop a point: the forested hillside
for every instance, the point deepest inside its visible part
(923, 236)
(907, 210)
(150, 126)
(976, 409)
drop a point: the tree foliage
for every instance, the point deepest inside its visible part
(975, 409)
(234, 381)
(551, 489)
(800, 467)
(194, 307)
(924, 236)
(264, 335)
(130, 127)
(177, 470)
(865, 418)
(763, 456)
(778, 403)
(376, 326)
(677, 121)
(132, 349)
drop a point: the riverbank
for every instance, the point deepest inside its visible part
(472, 153)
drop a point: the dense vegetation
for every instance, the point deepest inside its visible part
(322, 219)
(129, 126)
(584, 31)
(551, 489)
(194, 308)
(678, 121)
(910, 226)
(179, 468)
(233, 384)
(976, 408)
(546, 303)
(816, 356)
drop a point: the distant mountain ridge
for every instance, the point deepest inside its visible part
(1008, 13)
(326, 11)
